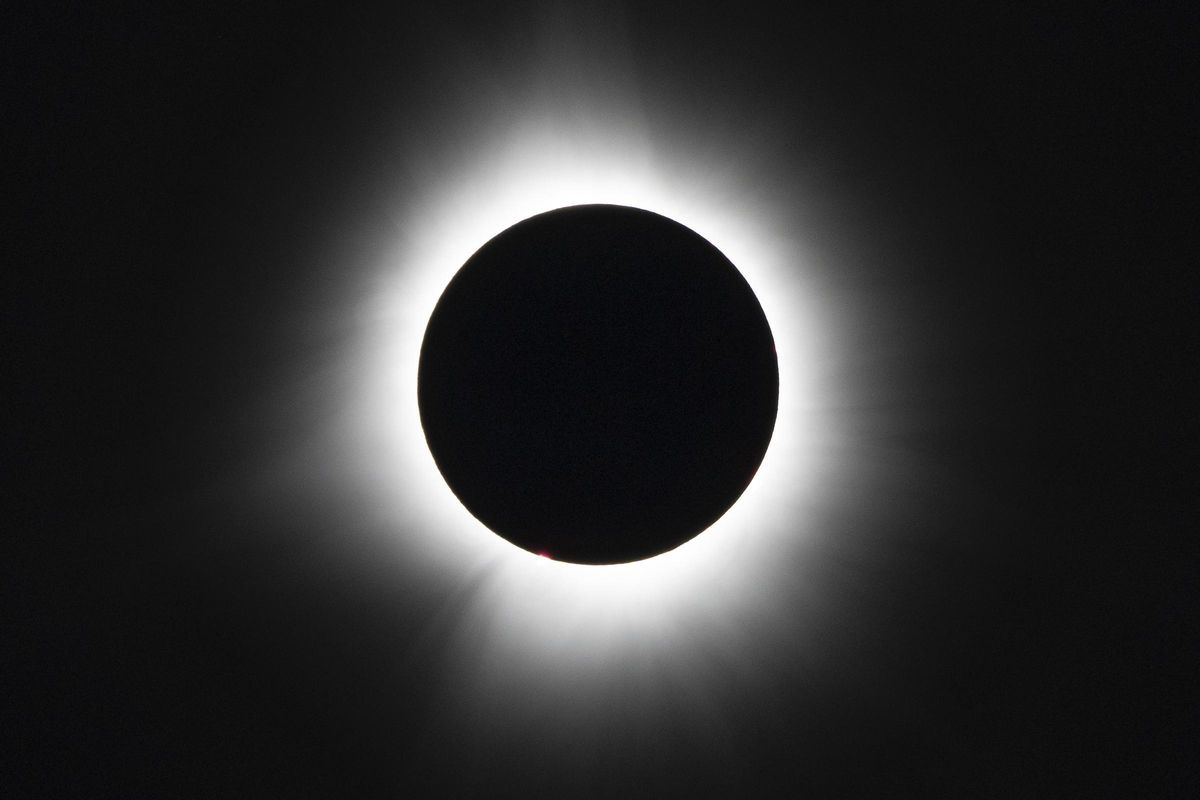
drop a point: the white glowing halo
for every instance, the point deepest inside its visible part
(537, 168)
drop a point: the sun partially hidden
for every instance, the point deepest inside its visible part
(598, 384)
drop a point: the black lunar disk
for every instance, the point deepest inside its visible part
(598, 384)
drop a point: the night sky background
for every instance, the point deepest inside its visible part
(1004, 196)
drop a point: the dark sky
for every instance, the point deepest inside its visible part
(997, 200)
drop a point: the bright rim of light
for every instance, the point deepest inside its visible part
(565, 610)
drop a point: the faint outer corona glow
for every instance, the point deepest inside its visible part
(532, 603)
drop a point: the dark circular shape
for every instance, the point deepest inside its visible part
(598, 384)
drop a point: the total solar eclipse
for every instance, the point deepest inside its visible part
(598, 384)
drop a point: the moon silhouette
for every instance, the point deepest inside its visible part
(598, 384)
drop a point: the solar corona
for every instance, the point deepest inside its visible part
(527, 450)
